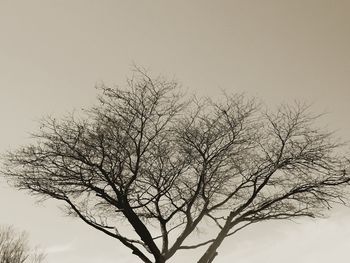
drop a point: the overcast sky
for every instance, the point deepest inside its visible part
(53, 53)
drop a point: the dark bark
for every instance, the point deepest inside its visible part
(211, 252)
(144, 234)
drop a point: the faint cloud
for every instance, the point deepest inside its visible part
(60, 248)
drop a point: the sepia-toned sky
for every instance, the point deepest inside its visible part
(53, 53)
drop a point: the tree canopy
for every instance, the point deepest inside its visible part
(151, 158)
(14, 247)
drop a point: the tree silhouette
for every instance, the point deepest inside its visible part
(14, 247)
(152, 159)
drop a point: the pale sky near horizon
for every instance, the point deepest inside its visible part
(53, 52)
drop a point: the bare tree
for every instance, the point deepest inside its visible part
(14, 247)
(148, 158)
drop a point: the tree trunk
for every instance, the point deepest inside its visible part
(143, 233)
(211, 252)
(160, 260)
